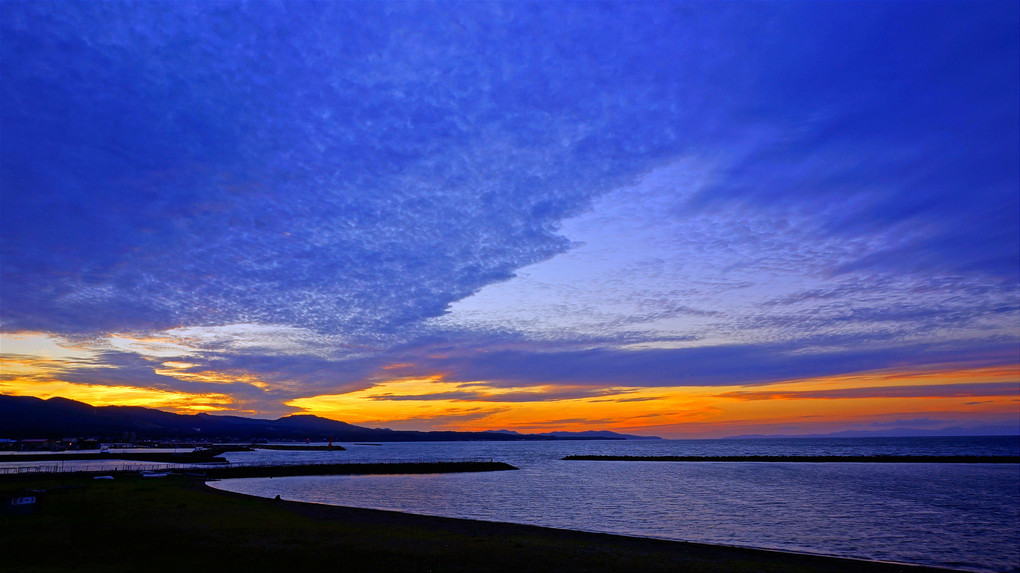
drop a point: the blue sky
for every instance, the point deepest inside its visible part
(561, 200)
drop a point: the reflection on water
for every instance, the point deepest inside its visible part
(953, 515)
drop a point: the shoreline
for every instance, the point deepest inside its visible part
(124, 523)
(496, 528)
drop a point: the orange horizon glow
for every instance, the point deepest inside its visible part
(36, 364)
(103, 395)
(676, 410)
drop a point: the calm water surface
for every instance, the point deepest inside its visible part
(964, 516)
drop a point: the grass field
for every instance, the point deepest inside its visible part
(178, 524)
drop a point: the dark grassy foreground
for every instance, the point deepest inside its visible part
(808, 459)
(178, 524)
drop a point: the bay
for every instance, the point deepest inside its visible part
(963, 516)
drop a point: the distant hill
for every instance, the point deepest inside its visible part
(588, 435)
(955, 431)
(24, 417)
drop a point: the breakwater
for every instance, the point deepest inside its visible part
(298, 448)
(181, 457)
(199, 455)
(811, 459)
(267, 470)
(385, 468)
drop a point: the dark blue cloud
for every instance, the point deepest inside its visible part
(897, 120)
(349, 167)
(467, 395)
(523, 364)
(928, 391)
(174, 166)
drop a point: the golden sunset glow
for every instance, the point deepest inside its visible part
(154, 346)
(178, 370)
(36, 351)
(101, 395)
(36, 364)
(477, 406)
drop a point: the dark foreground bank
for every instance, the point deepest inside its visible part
(179, 524)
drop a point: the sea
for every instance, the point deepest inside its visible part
(959, 516)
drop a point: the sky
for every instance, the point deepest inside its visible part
(681, 219)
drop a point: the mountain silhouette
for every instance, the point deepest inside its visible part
(24, 417)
